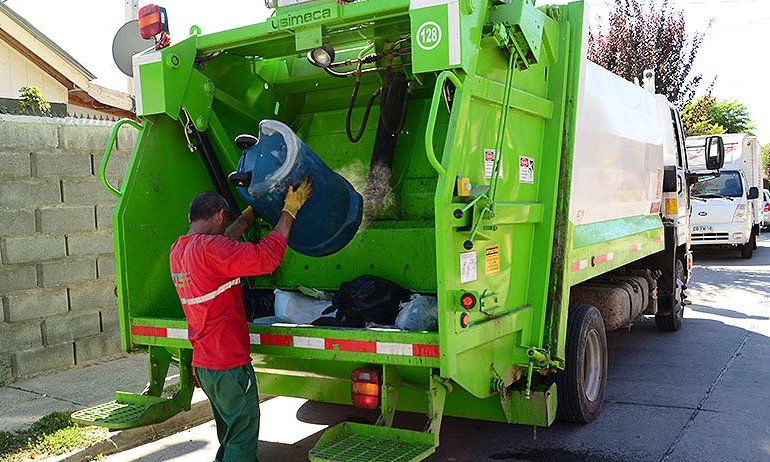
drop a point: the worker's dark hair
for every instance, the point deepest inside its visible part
(206, 205)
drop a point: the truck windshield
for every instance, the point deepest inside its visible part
(728, 184)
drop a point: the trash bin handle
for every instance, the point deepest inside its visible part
(108, 152)
(434, 104)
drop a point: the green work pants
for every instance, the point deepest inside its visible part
(235, 402)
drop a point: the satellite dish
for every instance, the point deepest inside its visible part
(128, 42)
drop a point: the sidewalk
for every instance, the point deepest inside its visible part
(26, 401)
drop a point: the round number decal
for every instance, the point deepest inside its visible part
(428, 35)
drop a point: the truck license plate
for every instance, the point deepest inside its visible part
(701, 229)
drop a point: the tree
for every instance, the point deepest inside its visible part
(766, 161)
(31, 101)
(733, 115)
(709, 116)
(696, 119)
(651, 37)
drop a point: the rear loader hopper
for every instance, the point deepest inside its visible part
(500, 172)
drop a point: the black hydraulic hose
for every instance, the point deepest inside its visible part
(351, 104)
(215, 171)
(395, 99)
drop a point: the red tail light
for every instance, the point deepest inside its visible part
(366, 388)
(152, 21)
(467, 301)
(767, 207)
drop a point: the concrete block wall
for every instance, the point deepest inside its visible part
(57, 271)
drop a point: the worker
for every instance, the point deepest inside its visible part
(206, 266)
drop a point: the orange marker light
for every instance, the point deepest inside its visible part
(365, 389)
(152, 21)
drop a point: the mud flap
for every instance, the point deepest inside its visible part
(539, 409)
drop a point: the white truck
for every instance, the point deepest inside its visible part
(727, 208)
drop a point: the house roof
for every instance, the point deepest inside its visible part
(45, 53)
(32, 30)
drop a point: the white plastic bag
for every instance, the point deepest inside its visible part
(301, 309)
(419, 313)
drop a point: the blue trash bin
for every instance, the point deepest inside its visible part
(332, 215)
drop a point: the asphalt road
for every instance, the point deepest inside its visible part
(701, 394)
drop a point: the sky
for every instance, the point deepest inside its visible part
(732, 51)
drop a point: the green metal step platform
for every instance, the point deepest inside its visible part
(353, 442)
(129, 410)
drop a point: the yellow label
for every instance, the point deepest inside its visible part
(672, 207)
(463, 187)
(492, 259)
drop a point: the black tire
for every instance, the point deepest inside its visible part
(672, 321)
(747, 249)
(581, 391)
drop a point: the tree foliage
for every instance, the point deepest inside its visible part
(766, 161)
(696, 118)
(648, 37)
(710, 116)
(31, 101)
(733, 115)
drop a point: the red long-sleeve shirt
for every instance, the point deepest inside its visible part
(206, 270)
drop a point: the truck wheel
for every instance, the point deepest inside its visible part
(747, 249)
(673, 321)
(580, 386)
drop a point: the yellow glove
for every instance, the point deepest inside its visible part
(296, 197)
(248, 215)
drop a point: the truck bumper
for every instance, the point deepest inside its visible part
(722, 234)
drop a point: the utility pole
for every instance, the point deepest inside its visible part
(132, 13)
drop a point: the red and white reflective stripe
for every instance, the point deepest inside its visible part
(211, 295)
(176, 333)
(579, 265)
(165, 332)
(635, 248)
(604, 258)
(313, 343)
(147, 331)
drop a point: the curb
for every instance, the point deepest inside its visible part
(199, 413)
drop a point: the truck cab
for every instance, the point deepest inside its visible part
(676, 204)
(727, 208)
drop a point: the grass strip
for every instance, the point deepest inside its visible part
(52, 435)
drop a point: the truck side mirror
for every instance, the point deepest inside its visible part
(715, 152)
(753, 193)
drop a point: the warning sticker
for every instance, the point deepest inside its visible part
(526, 170)
(489, 164)
(468, 269)
(658, 184)
(492, 260)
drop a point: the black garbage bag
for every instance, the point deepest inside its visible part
(367, 299)
(259, 303)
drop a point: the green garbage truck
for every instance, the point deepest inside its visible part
(541, 199)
